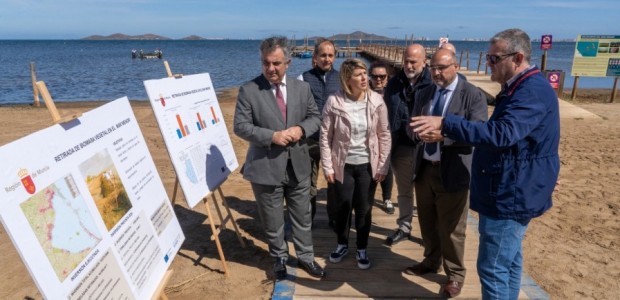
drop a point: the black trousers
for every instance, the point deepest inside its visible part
(354, 194)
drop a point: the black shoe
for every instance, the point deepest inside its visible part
(279, 268)
(312, 268)
(398, 236)
(420, 270)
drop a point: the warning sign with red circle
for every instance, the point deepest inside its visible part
(546, 42)
(554, 79)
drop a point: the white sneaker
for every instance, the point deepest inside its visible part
(388, 206)
(339, 253)
(362, 259)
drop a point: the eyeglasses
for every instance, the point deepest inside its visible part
(439, 68)
(494, 58)
(378, 77)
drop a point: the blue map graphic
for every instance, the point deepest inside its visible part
(587, 49)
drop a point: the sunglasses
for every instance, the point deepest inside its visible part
(494, 58)
(439, 68)
(381, 77)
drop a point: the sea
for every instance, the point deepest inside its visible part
(78, 70)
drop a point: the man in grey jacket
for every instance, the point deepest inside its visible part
(275, 114)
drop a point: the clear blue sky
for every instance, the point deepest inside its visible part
(241, 19)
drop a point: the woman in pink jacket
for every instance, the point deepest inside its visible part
(355, 144)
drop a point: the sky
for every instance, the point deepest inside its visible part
(246, 19)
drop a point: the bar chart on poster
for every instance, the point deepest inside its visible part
(190, 119)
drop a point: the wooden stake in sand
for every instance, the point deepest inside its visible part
(35, 91)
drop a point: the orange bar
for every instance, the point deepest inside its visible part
(181, 125)
(200, 121)
(214, 116)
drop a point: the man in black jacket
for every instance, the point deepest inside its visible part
(399, 95)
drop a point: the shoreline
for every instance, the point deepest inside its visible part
(584, 95)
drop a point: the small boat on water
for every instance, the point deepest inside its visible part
(305, 54)
(147, 55)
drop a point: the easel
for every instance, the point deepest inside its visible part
(215, 231)
(56, 118)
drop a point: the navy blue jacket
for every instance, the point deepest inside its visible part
(400, 104)
(321, 89)
(516, 163)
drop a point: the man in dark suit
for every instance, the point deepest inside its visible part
(442, 172)
(275, 113)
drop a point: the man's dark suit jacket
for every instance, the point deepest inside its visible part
(257, 117)
(470, 103)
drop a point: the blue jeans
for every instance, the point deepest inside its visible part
(500, 259)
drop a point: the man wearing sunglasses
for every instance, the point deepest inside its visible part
(398, 97)
(442, 172)
(515, 164)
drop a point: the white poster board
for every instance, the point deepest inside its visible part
(85, 207)
(193, 127)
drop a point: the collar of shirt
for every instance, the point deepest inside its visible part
(282, 88)
(514, 78)
(450, 89)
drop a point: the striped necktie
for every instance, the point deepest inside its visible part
(281, 103)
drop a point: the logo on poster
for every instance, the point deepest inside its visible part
(27, 181)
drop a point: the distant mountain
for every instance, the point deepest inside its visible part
(193, 38)
(356, 35)
(120, 36)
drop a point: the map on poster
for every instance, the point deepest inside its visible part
(191, 122)
(86, 209)
(597, 56)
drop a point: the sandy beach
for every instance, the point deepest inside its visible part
(572, 251)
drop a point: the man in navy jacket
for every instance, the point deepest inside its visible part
(515, 164)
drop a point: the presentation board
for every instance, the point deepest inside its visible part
(84, 205)
(597, 56)
(193, 127)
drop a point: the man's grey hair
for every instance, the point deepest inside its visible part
(517, 41)
(269, 45)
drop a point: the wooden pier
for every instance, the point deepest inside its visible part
(392, 55)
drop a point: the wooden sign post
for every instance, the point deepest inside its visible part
(35, 91)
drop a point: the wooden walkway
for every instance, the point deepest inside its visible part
(384, 279)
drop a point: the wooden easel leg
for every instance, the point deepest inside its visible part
(231, 217)
(215, 237)
(174, 192)
(219, 212)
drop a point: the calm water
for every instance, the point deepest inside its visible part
(103, 70)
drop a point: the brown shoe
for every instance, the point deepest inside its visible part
(420, 270)
(452, 288)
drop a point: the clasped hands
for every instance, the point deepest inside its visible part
(287, 136)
